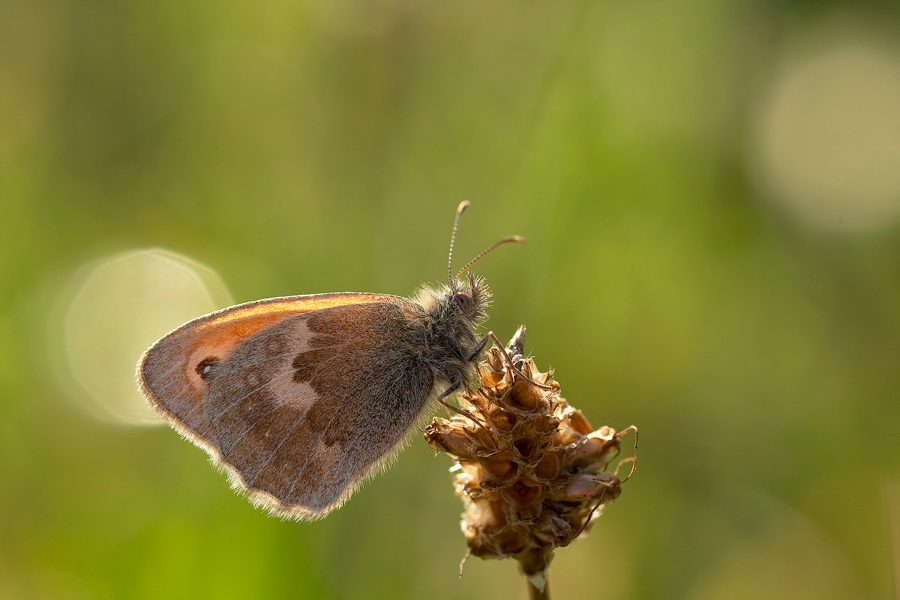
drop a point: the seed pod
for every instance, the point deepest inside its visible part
(532, 474)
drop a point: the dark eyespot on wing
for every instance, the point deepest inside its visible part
(206, 367)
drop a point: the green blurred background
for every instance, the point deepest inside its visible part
(710, 191)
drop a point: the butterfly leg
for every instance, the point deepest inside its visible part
(448, 407)
(461, 411)
(505, 352)
(480, 347)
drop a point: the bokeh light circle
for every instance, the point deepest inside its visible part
(826, 141)
(123, 304)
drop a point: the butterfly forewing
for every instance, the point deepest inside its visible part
(273, 390)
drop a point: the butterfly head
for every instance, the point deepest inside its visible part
(455, 310)
(464, 301)
(453, 313)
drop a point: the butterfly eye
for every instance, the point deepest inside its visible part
(464, 301)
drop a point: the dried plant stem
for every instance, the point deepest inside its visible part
(536, 594)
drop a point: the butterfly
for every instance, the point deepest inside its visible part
(301, 398)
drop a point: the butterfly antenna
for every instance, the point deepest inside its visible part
(507, 240)
(459, 211)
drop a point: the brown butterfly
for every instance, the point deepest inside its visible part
(301, 398)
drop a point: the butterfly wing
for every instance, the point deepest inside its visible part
(300, 398)
(171, 372)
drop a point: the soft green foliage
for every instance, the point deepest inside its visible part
(302, 147)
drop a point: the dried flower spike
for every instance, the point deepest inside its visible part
(531, 472)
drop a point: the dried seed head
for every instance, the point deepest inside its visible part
(533, 472)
